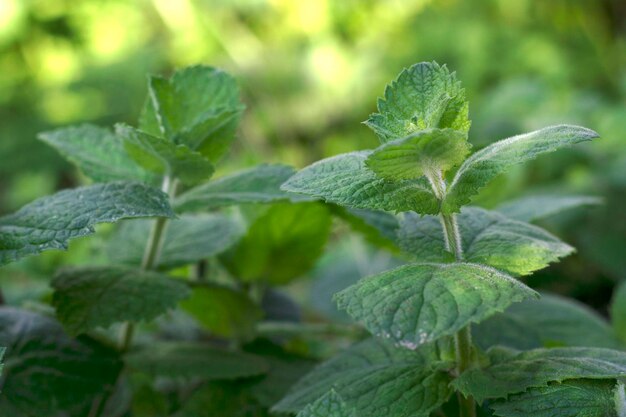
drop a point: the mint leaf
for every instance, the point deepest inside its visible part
(345, 180)
(328, 405)
(223, 311)
(378, 227)
(283, 243)
(512, 373)
(572, 398)
(220, 398)
(188, 239)
(2, 350)
(480, 168)
(98, 153)
(550, 321)
(487, 237)
(198, 107)
(375, 379)
(426, 95)
(429, 300)
(90, 297)
(163, 157)
(427, 152)
(260, 184)
(48, 374)
(50, 222)
(618, 311)
(188, 360)
(533, 208)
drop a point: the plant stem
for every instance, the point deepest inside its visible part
(150, 258)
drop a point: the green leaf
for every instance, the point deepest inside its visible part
(98, 153)
(377, 379)
(163, 157)
(50, 222)
(2, 350)
(533, 208)
(511, 373)
(90, 297)
(329, 405)
(484, 165)
(188, 239)
(282, 243)
(427, 152)
(378, 227)
(420, 303)
(260, 184)
(220, 398)
(47, 373)
(423, 96)
(487, 238)
(345, 180)
(572, 398)
(198, 107)
(550, 321)
(188, 360)
(618, 311)
(223, 311)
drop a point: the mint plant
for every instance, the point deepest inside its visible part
(437, 323)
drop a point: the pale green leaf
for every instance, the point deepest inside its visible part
(188, 239)
(188, 360)
(164, 157)
(572, 398)
(480, 168)
(376, 379)
(260, 184)
(426, 95)
(345, 180)
(50, 222)
(198, 106)
(426, 152)
(420, 303)
(47, 373)
(223, 311)
(533, 208)
(487, 237)
(90, 297)
(512, 373)
(329, 405)
(98, 153)
(283, 243)
(618, 311)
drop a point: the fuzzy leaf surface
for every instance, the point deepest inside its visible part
(420, 303)
(487, 237)
(188, 239)
(164, 157)
(375, 379)
(50, 222)
(188, 360)
(421, 153)
(96, 151)
(198, 106)
(328, 405)
(345, 180)
(426, 95)
(90, 297)
(260, 184)
(533, 208)
(481, 167)
(512, 373)
(572, 398)
(47, 373)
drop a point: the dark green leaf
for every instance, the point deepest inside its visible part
(480, 168)
(618, 311)
(420, 303)
(47, 373)
(378, 227)
(50, 222)
(221, 399)
(328, 405)
(90, 297)
(424, 96)
(532, 208)
(345, 180)
(377, 379)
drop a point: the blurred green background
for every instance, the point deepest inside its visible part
(310, 71)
